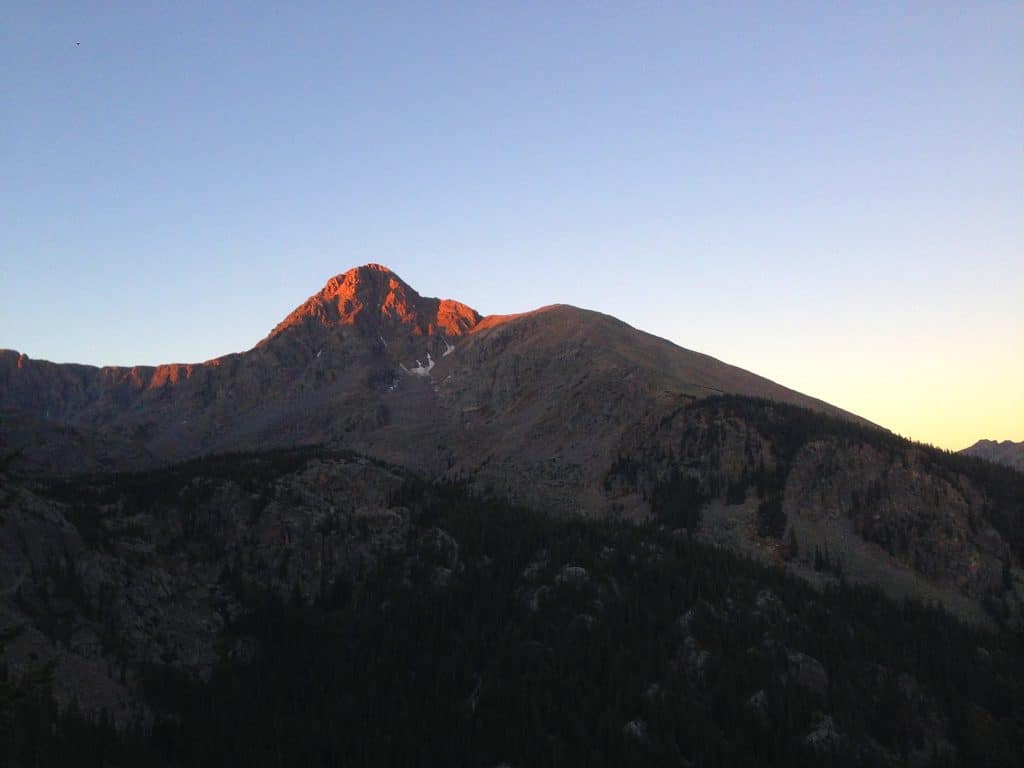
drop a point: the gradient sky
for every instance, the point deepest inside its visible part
(831, 195)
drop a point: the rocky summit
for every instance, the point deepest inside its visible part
(376, 300)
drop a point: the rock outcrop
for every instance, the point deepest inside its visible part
(101, 577)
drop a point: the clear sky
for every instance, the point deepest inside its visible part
(829, 194)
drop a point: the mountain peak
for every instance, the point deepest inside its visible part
(365, 272)
(374, 298)
(1006, 452)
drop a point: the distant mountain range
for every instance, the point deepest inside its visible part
(1007, 452)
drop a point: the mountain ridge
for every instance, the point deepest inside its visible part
(374, 297)
(560, 409)
(350, 298)
(1005, 452)
(342, 355)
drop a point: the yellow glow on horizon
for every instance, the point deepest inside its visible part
(949, 390)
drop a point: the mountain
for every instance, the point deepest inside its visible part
(560, 409)
(368, 363)
(1007, 452)
(549, 522)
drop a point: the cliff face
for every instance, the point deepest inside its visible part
(933, 524)
(855, 501)
(376, 300)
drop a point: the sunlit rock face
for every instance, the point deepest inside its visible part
(375, 299)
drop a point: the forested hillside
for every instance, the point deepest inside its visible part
(908, 517)
(498, 636)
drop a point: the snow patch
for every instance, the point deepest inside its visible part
(319, 352)
(448, 348)
(421, 369)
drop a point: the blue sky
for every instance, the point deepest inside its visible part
(831, 195)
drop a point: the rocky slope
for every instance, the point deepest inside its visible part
(1006, 452)
(560, 409)
(530, 405)
(315, 607)
(788, 485)
(101, 577)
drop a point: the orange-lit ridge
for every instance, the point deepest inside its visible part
(373, 294)
(370, 296)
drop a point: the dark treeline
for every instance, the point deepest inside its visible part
(251, 470)
(562, 643)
